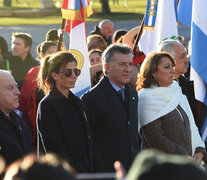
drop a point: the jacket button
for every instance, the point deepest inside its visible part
(89, 137)
(132, 149)
(187, 141)
(128, 123)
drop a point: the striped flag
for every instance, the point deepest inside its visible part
(75, 12)
(185, 12)
(198, 54)
(161, 18)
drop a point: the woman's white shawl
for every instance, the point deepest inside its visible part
(156, 102)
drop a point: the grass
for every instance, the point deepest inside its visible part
(134, 10)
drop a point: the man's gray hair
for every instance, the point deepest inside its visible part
(108, 54)
(168, 46)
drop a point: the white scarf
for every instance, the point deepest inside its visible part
(156, 102)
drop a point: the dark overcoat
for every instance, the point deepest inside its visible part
(15, 137)
(65, 129)
(114, 125)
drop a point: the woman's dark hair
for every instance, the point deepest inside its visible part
(3, 47)
(94, 51)
(149, 66)
(54, 64)
(43, 47)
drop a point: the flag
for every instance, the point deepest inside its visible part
(198, 54)
(165, 26)
(185, 12)
(75, 12)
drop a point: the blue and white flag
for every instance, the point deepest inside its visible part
(165, 26)
(198, 53)
(151, 14)
(185, 12)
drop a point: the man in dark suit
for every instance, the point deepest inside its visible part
(113, 115)
(178, 51)
(15, 135)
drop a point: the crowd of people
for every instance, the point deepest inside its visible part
(136, 103)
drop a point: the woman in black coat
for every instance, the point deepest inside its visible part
(61, 121)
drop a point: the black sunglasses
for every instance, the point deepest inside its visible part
(68, 72)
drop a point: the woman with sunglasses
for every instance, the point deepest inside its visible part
(62, 126)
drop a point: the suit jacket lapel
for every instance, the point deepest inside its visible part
(112, 96)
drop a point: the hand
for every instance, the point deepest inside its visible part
(198, 157)
(120, 171)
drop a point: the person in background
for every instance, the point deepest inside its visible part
(30, 95)
(4, 54)
(105, 29)
(181, 39)
(62, 125)
(52, 35)
(165, 119)
(15, 135)
(138, 58)
(156, 165)
(21, 60)
(111, 107)
(48, 166)
(96, 42)
(94, 57)
(119, 35)
(96, 73)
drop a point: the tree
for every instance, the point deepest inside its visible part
(7, 3)
(105, 7)
(46, 4)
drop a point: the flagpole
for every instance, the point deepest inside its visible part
(61, 34)
(139, 33)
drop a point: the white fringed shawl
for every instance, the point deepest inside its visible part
(156, 102)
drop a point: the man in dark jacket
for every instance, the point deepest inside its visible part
(105, 29)
(15, 135)
(111, 107)
(21, 60)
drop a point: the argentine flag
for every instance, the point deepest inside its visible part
(185, 12)
(198, 54)
(75, 12)
(165, 25)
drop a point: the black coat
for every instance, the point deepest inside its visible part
(19, 68)
(114, 125)
(188, 90)
(15, 137)
(65, 129)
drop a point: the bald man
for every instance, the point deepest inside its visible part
(15, 135)
(105, 29)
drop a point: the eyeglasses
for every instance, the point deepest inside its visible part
(68, 72)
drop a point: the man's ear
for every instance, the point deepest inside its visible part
(107, 67)
(27, 48)
(102, 30)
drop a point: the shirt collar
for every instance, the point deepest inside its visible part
(115, 86)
